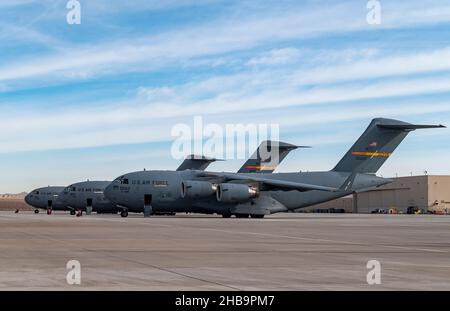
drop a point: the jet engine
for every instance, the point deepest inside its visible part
(235, 193)
(197, 189)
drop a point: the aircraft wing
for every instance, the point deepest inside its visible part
(271, 184)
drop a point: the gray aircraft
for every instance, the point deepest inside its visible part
(257, 195)
(89, 196)
(265, 159)
(46, 198)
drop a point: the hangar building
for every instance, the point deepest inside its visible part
(405, 194)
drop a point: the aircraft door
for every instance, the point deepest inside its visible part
(148, 199)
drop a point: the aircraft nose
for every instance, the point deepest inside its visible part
(28, 199)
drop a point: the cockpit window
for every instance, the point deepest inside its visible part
(122, 180)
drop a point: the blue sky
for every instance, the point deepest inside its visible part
(99, 99)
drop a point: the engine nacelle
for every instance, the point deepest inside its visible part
(197, 189)
(235, 193)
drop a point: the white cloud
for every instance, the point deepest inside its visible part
(276, 57)
(145, 122)
(374, 67)
(216, 38)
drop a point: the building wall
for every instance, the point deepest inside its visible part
(428, 193)
(439, 193)
(343, 203)
(419, 192)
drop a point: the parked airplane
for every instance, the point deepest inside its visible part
(257, 195)
(89, 195)
(46, 198)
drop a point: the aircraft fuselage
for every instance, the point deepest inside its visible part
(162, 189)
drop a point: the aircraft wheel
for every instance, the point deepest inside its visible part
(124, 214)
(72, 212)
(257, 216)
(36, 211)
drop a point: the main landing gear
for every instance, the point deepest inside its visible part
(124, 213)
(36, 211)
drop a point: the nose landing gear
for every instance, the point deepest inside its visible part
(148, 209)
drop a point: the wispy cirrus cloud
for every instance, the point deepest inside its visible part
(276, 57)
(206, 39)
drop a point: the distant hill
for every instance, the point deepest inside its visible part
(14, 201)
(13, 196)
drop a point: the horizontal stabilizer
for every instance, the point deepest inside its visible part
(408, 127)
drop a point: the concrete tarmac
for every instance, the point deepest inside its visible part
(187, 252)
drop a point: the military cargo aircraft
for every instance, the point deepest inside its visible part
(89, 195)
(46, 198)
(256, 195)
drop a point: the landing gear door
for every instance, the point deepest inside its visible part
(88, 206)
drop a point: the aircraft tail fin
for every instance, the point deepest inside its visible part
(195, 162)
(376, 145)
(267, 157)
